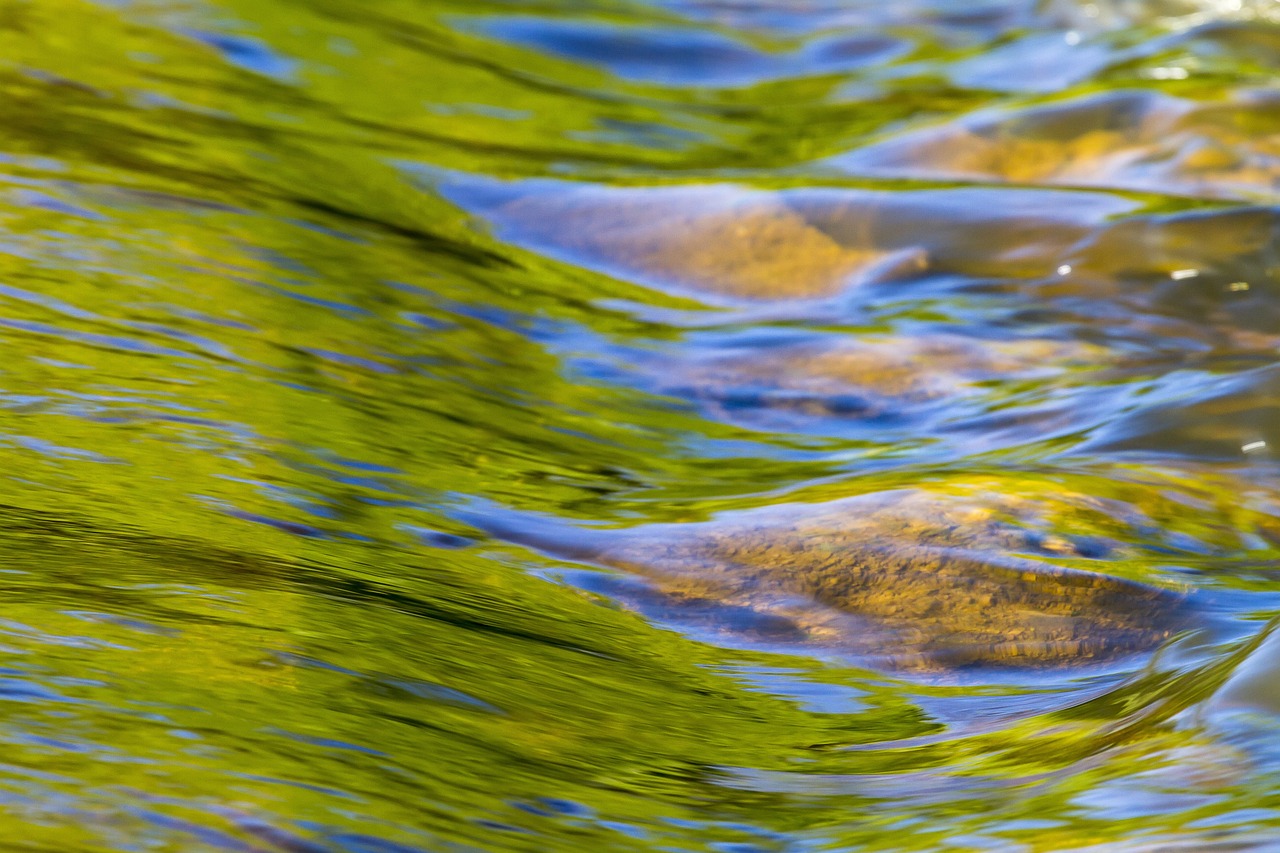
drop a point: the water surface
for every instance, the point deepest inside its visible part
(767, 425)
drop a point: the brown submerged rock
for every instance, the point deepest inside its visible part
(901, 580)
(1131, 139)
(744, 246)
(864, 377)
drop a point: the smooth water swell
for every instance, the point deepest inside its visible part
(687, 425)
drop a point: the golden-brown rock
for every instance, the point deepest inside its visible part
(909, 579)
(1139, 140)
(864, 377)
(744, 246)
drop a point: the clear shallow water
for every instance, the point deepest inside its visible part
(693, 425)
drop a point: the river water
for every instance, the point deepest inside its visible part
(719, 425)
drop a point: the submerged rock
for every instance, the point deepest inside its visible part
(874, 379)
(909, 579)
(745, 246)
(733, 245)
(1135, 139)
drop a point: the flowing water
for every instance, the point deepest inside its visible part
(721, 425)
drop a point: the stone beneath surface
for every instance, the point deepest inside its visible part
(912, 579)
(743, 246)
(868, 378)
(1129, 139)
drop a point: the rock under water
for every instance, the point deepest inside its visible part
(901, 580)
